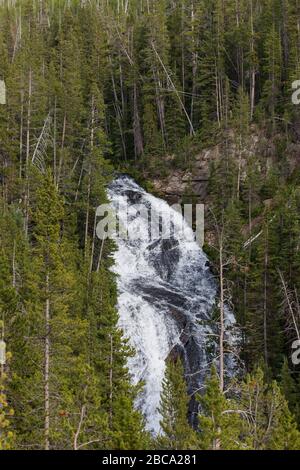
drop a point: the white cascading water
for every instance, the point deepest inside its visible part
(166, 294)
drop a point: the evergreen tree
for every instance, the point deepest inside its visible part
(94, 87)
(289, 389)
(176, 432)
(6, 434)
(271, 424)
(6, 412)
(284, 434)
(109, 352)
(219, 418)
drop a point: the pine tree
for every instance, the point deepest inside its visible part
(109, 352)
(6, 413)
(219, 418)
(289, 389)
(272, 63)
(284, 433)
(53, 396)
(176, 432)
(271, 424)
(137, 83)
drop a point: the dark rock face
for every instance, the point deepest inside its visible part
(164, 256)
(188, 352)
(181, 184)
(158, 294)
(134, 197)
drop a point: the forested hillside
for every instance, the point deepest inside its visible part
(142, 86)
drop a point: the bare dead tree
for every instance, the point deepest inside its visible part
(174, 88)
(292, 308)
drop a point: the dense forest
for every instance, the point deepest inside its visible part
(142, 86)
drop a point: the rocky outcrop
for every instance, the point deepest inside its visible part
(194, 182)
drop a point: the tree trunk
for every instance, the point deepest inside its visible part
(89, 176)
(54, 144)
(27, 153)
(61, 149)
(14, 265)
(111, 381)
(253, 71)
(47, 367)
(239, 168)
(21, 136)
(222, 329)
(266, 263)
(194, 64)
(118, 113)
(137, 130)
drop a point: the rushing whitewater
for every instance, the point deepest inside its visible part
(166, 295)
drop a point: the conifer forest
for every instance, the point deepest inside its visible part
(121, 345)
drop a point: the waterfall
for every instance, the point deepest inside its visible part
(166, 295)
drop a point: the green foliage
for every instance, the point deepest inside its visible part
(269, 424)
(144, 85)
(219, 418)
(7, 436)
(255, 417)
(289, 389)
(176, 432)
